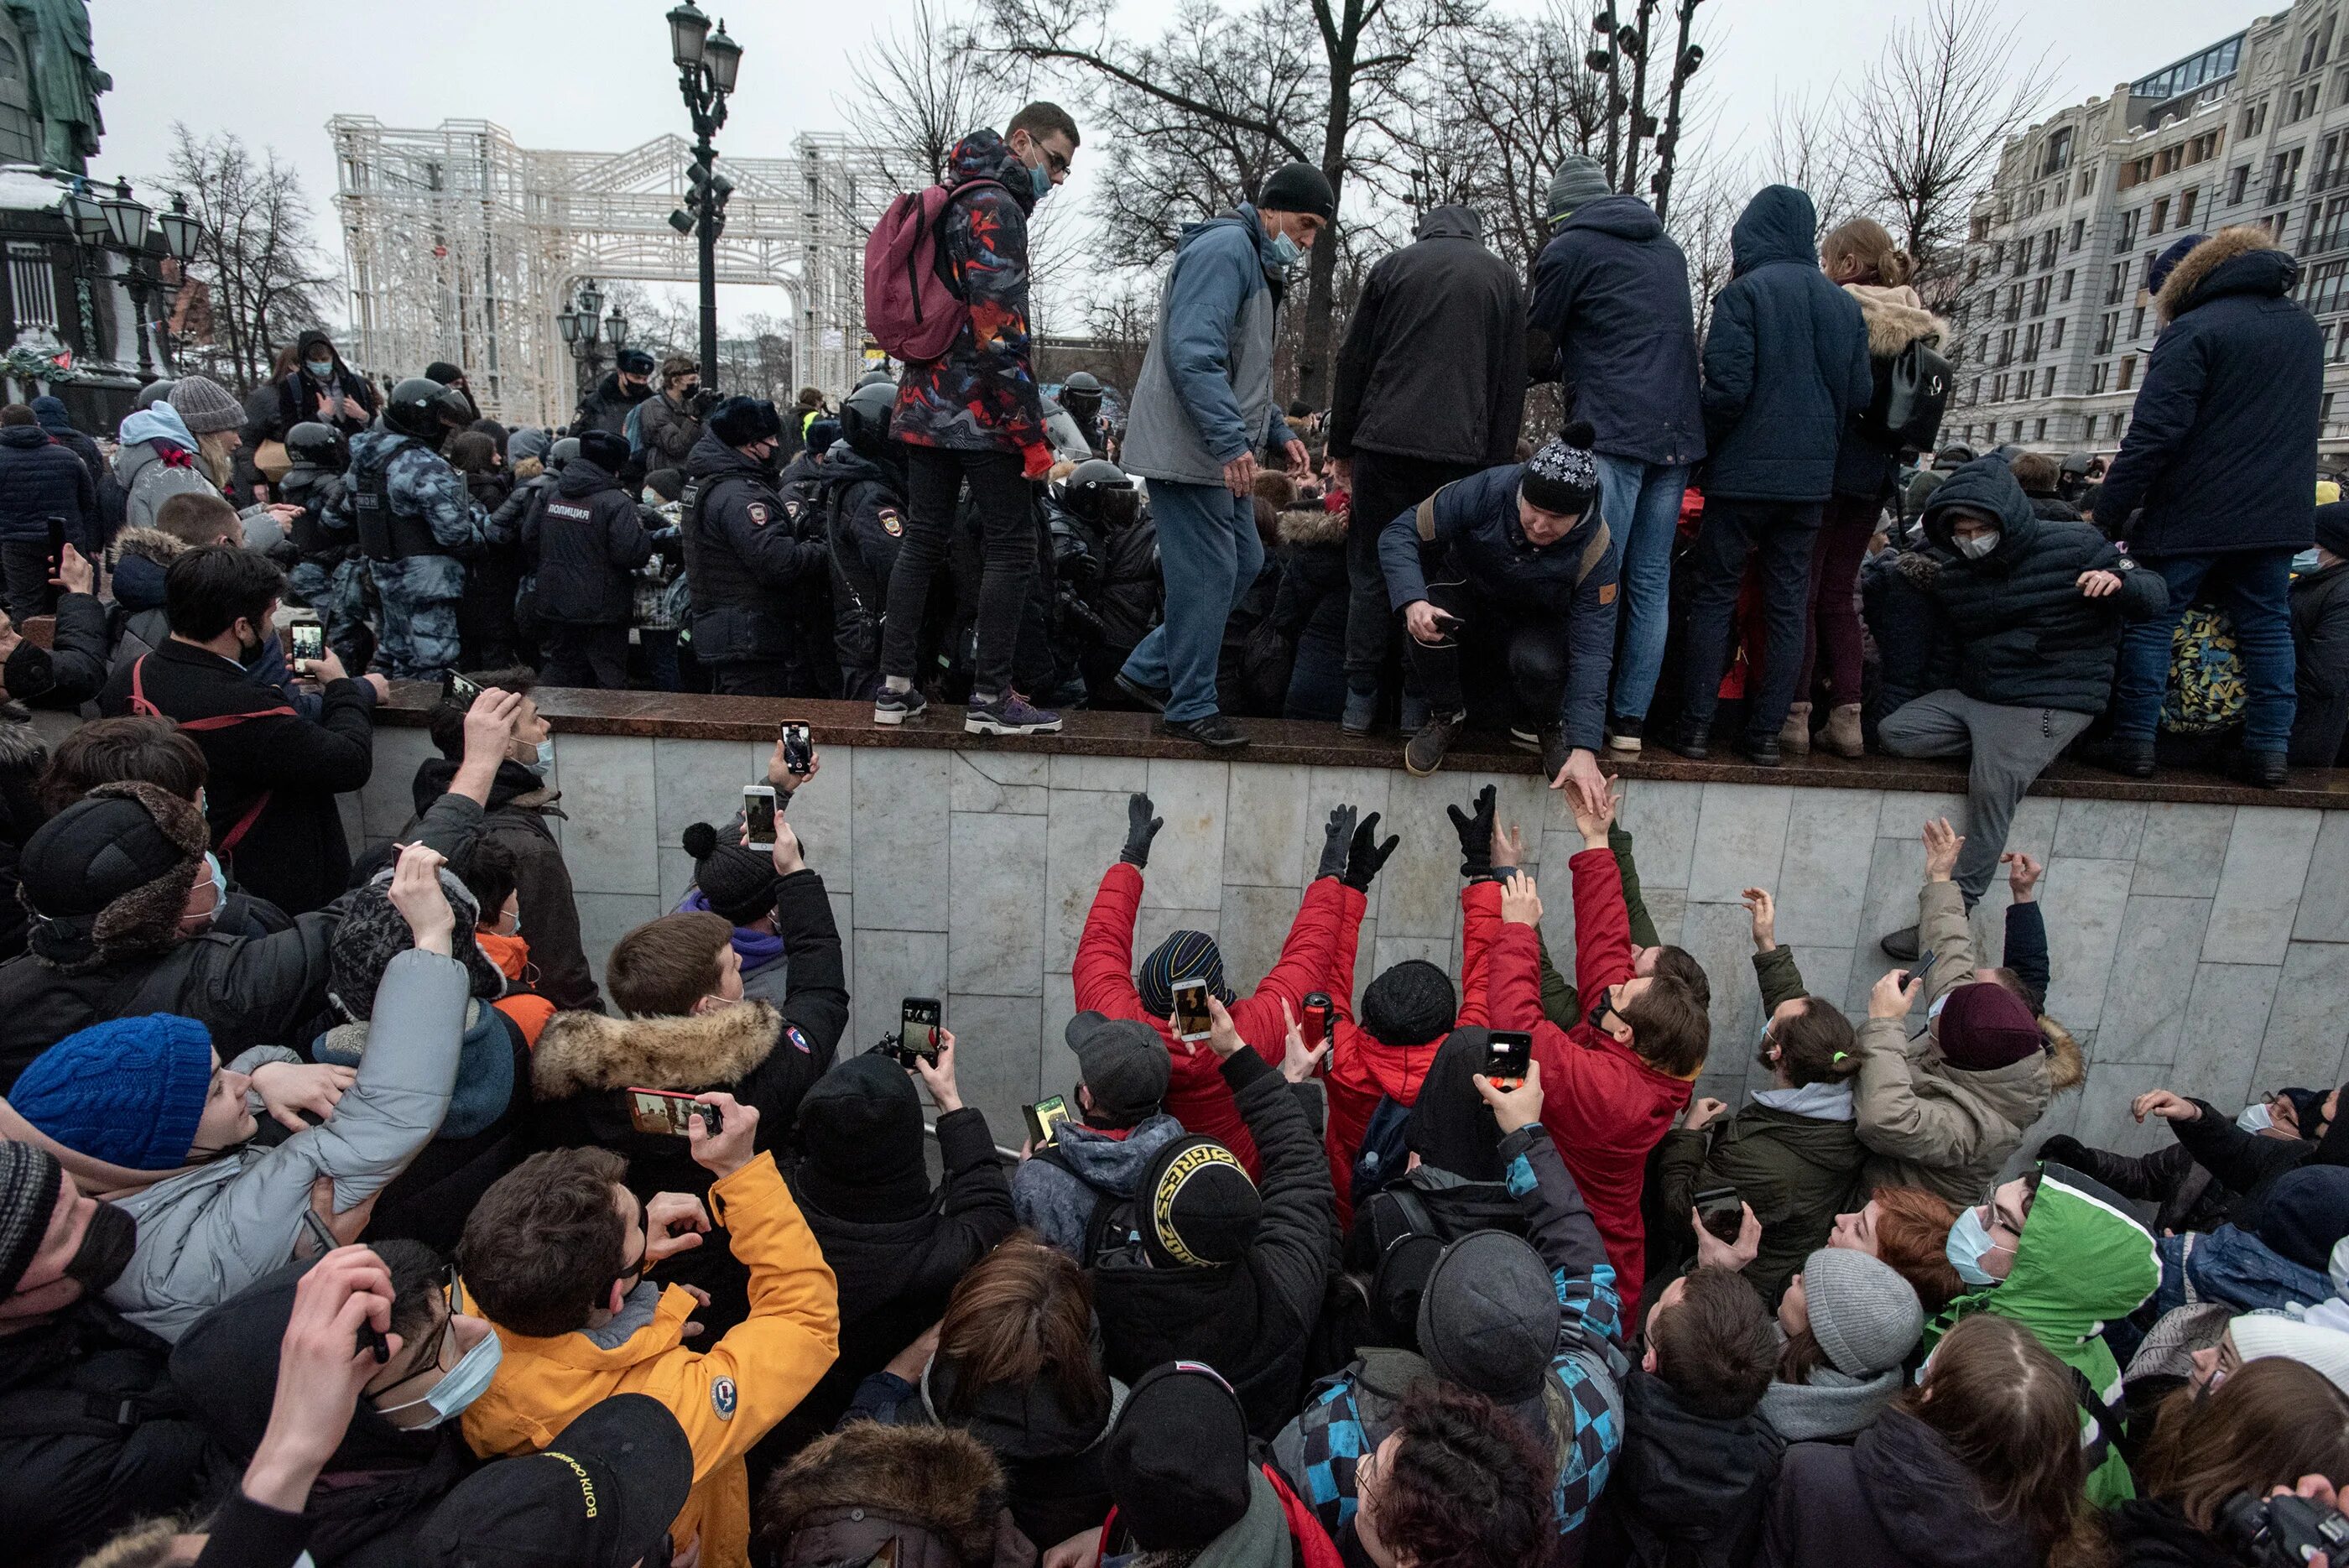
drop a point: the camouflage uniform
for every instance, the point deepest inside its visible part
(420, 587)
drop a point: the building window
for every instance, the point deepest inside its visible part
(2087, 182)
(2129, 229)
(2317, 45)
(2136, 323)
(2039, 430)
(2324, 409)
(2031, 344)
(2063, 295)
(2040, 292)
(2055, 335)
(32, 285)
(2255, 118)
(2185, 207)
(2320, 290)
(2116, 282)
(2059, 152)
(2237, 180)
(2047, 242)
(2283, 173)
(2047, 382)
(2107, 330)
(2097, 372)
(2160, 216)
(1975, 396)
(2006, 347)
(2302, 103)
(1998, 389)
(2125, 376)
(2079, 232)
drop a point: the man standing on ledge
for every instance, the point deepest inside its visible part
(1202, 409)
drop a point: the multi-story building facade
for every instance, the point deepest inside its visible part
(2055, 323)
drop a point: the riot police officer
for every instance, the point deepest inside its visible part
(415, 523)
(1081, 395)
(583, 540)
(863, 501)
(1105, 576)
(744, 560)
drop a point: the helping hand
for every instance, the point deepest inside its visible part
(1521, 902)
(1474, 827)
(1764, 911)
(1942, 843)
(1141, 828)
(1366, 857)
(2023, 875)
(2170, 1107)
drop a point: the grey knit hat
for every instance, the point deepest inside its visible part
(1863, 1314)
(1488, 1318)
(205, 406)
(1578, 179)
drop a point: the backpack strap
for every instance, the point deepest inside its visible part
(71, 1413)
(1593, 553)
(1106, 1203)
(2093, 1450)
(952, 274)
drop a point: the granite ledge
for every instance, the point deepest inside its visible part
(687, 716)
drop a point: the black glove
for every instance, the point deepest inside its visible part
(1476, 833)
(1367, 857)
(1333, 842)
(1141, 828)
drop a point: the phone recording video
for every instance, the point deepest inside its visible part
(308, 642)
(1044, 1120)
(1191, 1020)
(1719, 1211)
(758, 814)
(661, 1111)
(455, 688)
(799, 748)
(919, 1018)
(1508, 1056)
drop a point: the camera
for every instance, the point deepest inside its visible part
(703, 403)
(2281, 1530)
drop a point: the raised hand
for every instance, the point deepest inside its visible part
(1513, 1108)
(1141, 828)
(1895, 995)
(1366, 857)
(1942, 843)
(1521, 902)
(1764, 911)
(417, 894)
(1474, 827)
(1335, 838)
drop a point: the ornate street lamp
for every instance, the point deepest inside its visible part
(689, 30)
(707, 64)
(126, 218)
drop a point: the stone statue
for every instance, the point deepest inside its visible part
(65, 80)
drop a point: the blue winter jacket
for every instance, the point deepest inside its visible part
(1785, 360)
(45, 492)
(1612, 292)
(1205, 394)
(2221, 453)
(1477, 538)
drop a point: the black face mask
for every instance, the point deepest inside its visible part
(1597, 1014)
(105, 1250)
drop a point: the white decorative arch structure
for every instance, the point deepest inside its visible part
(463, 247)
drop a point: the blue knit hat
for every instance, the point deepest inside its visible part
(1185, 955)
(128, 1092)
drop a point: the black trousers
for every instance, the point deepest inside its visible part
(589, 656)
(1781, 534)
(26, 567)
(753, 678)
(933, 480)
(1517, 653)
(1384, 487)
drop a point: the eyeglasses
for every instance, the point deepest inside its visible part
(441, 1360)
(1059, 164)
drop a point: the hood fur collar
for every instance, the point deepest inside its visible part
(938, 1478)
(1303, 527)
(582, 1053)
(150, 544)
(21, 749)
(2195, 268)
(1896, 318)
(2066, 1069)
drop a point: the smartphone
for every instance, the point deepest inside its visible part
(918, 1021)
(1508, 1056)
(306, 640)
(1044, 1120)
(758, 814)
(1320, 1019)
(799, 747)
(1450, 626)
(1920, 971)
(1719, 1211)
(455, 688)
(1191, 1020)
(661, 1111)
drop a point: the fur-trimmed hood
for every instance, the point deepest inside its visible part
(150, 545)
(1303, 527)
(21, 749)
(2251, 263)
(875, 1481)
(586, 1053)
(2066, 1068)
(1896, 318)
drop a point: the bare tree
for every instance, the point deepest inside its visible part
(256, 256)
(1929, 123)
(919, 90)
(1811, 144)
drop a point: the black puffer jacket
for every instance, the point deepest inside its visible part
(1894, 1498)
(1687, 1490)
(1611, 299)
(583, 539)
(606, 408)
(2146, 1534)
(1250, 1321)
(2320, 644)
(46, 494)
(2021, 632)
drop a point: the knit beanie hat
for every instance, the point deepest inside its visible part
(1985, 1026)
(1297, 188)
(205, 406)
(29, 1182)
(1578, 179)
(1450, 1126)
(2263, 1334)
(1199, 1206)
(1863, 1314)
(2157, 271)
(2333, 527)
(1563, 475)
(108, 876)
(1177, 1460)
(443, 371)
(1410, 1003)
(2302, 1214)
(128, 1091)
(1122, 1063)
(860, 1128)
(372, 933)
(1488, 1317)
(1185, 955)
(735, 882)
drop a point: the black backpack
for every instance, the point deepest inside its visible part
(1910, 396)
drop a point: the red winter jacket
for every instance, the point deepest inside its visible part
(1196, 1095)
(1363, 1068)
(1605, 1108)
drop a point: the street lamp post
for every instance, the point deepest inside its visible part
(117, 220)
(1607, 60)
(586, 329)
(1686, 59)
(706, 66)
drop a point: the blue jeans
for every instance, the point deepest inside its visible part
(1208, 554)
(2254, 587)
(1642, 504)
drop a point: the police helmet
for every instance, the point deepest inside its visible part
(1098, 491)
(319, 445)
(1082, 381)
(423, 407)
(2077, 464)
(865, 418)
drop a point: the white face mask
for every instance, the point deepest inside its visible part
(2256, 1118)
(1980, 545)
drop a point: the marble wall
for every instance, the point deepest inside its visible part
(2201, 947)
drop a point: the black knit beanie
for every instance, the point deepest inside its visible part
(1562, 476)
(735, 882)
(1411, 1003)
(29, 1182)
(1297, 188)
(1177, 1460)
(1200, 1208)
(1450, 1126)
(860, 1129)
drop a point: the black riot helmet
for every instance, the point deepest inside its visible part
(865, 418)
(1098, 491)
(1081, 394)
(319, 445)
(2077, 464)
(423, 407)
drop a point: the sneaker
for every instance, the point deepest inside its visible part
(1150, 696)
(1901, 944)
(1524, 740)
(1553, 750)
(896, 707)
(1424, 753)
(1212, 731)
(1009, 714)
(1623, 735)
(1362, 712)
(2263, 769)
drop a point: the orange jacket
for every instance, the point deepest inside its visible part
(726, 1399)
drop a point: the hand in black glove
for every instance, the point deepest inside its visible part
(1476, 831)
(1366, 855)
(1141, 828)
(1333, 842)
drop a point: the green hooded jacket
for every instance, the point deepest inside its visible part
(2081, 1263)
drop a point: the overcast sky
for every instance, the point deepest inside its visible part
(594, 75)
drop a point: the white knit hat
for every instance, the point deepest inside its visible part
(2324, 1350)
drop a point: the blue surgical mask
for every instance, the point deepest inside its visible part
(466, 1382)
(2304, 563)
(1286, 253)
(1968, 1244)
(544, 759)
(1980, 545)
(1934, 1009)
(1040, 179)
(2256, 1118)
(321, 369)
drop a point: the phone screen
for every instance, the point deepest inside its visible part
(918, 1019)
(758, 814)
(799, 748)
(310, 641)
(1191, 1020)
(657, 1111)
(457, 688)
(1719, 1211)
(1044, 1120)
(1508, 1055)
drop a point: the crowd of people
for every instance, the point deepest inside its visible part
(352, 1212)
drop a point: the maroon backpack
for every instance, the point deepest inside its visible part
(913, 307)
